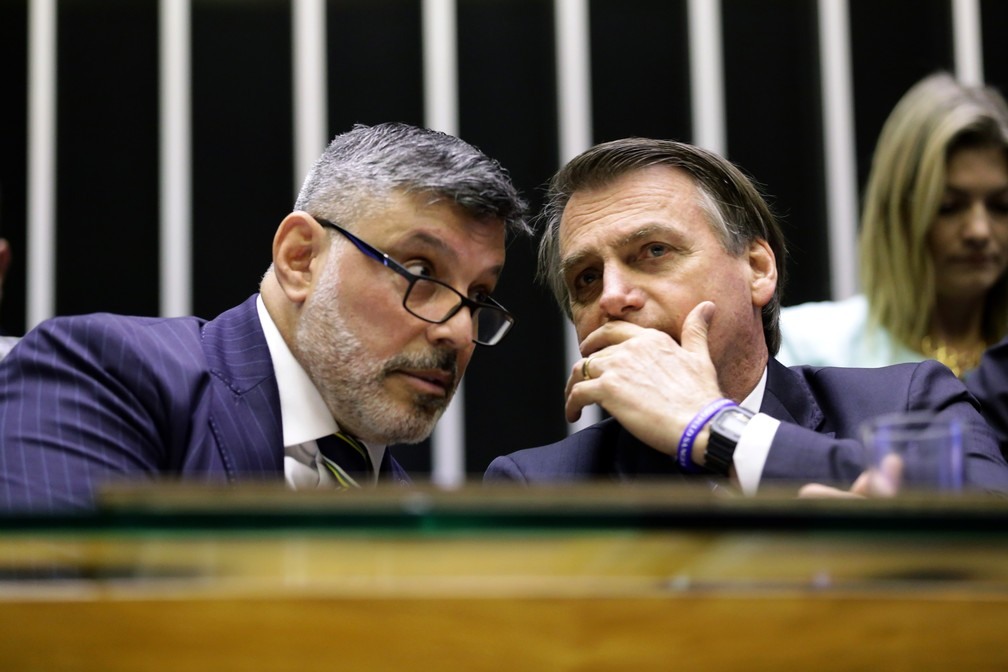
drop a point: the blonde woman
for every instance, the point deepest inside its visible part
(933, 243)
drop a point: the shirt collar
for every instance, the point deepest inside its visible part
(754, 401)
(304, 415)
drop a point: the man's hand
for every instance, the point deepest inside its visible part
(881, 482)
(652, 385)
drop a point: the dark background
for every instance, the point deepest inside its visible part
(107, 198)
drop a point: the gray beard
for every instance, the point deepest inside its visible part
(352, 383)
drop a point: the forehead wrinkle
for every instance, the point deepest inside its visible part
(630, 238)
(430, 240)
(436, 242)
(644, 232)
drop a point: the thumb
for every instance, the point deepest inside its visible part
(694, 332)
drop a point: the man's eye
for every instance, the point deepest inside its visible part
(655, 250)
(585, 283)
(480, 296)
(585, 279)
(421, 268)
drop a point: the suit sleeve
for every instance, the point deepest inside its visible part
(504, 469)
(79, 405)
(989, 384)
(799, 454)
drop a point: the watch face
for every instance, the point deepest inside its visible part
(732, 421)
(725, 432)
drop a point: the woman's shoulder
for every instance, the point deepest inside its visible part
(836, 333)
(855, 307)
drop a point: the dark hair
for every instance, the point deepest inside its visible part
(362, 167)
(736, 210)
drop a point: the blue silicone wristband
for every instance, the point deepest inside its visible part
(684, 453)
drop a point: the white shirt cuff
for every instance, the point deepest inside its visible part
(752, 450)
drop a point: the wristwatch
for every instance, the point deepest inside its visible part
(725, 430)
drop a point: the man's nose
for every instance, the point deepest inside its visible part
(456, 331)
(620, 294)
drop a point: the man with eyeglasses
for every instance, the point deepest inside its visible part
(378, 294)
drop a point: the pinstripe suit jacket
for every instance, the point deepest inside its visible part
(821, 411)
(89, 399)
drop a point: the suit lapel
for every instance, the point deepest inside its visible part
(245, 412)
(788, 397)
(390, 471)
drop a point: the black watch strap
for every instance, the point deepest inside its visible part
(725, 430)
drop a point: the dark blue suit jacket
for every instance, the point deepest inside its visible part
(989, 383)
(821, 410)
(90, 399)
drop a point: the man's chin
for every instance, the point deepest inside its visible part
(415, 420)
(430, 405)
(414, 431)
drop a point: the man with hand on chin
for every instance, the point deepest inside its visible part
(379, 291)
(671, 266)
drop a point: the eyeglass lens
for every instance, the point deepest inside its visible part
(435, 302)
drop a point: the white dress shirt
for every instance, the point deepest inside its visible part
(303, 415)
(754, 444)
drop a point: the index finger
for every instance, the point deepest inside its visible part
(610, 333)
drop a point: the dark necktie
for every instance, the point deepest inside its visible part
(347, 459)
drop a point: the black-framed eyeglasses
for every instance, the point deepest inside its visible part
(426, 297)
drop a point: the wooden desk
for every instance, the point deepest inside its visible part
(572, 579)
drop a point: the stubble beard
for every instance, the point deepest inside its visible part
(352, 383)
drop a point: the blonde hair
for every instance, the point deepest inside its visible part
(936, 117)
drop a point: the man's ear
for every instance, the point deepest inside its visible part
(299, 251)
(763, 264)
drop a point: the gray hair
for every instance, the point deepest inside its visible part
(736, 212)
(362, 168)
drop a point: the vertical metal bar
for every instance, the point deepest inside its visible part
(41, 239)
(707, 75)
(310, 78)
(967, 39)
(841, 164)
(176, 163)
(440, 66)
(573, 59)
(440, 77)
(574, 104)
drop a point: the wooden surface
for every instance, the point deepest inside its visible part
(535, 589)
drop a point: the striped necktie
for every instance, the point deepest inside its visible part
(347, 459)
